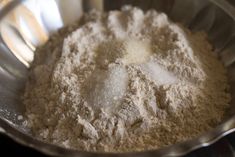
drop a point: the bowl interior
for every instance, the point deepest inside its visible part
(30, 24)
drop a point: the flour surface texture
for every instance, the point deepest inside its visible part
(125, 81)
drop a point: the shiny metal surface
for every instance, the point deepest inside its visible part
(31, 23)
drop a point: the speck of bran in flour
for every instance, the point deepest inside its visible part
(125, 81)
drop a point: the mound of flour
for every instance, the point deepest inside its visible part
(125, 81)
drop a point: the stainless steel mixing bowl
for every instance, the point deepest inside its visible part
(28, 24)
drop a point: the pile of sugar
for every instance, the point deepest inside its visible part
(125, 81)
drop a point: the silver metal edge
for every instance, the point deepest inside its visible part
(226, 7)
(11, 5)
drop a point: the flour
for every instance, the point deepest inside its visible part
(125, 81)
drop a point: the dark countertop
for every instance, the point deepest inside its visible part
(223, 148)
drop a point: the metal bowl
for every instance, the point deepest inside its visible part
(24, 25)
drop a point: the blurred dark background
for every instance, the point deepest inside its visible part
(223, 148)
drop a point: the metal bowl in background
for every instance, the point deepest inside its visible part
(24, 25)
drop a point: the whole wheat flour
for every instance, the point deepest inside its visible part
(125, 81)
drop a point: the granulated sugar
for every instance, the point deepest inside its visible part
(125, 81)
